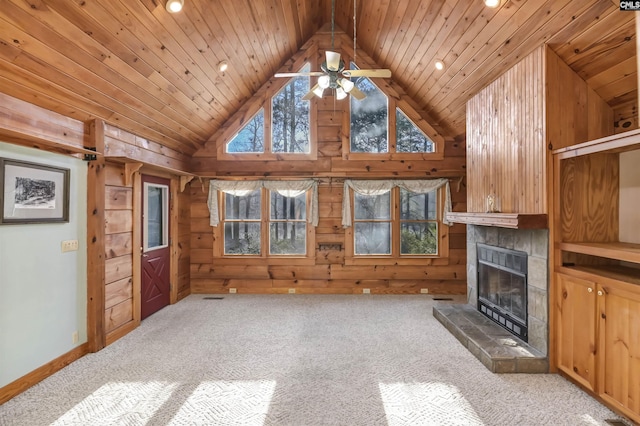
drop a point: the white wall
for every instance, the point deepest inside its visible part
(43, 292)
(630, 197)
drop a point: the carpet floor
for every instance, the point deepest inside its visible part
(296, 360)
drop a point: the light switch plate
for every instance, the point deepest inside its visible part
(69, 245)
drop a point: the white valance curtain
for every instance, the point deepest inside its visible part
(378, 187)
(286, 188)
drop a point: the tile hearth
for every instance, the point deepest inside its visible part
(499, 350)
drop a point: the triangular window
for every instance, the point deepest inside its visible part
(409, 138)
(251, 138)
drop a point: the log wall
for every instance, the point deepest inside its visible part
(328, 271)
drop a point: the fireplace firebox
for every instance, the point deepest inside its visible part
(502, 287)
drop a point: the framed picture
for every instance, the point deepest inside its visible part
(33, 193)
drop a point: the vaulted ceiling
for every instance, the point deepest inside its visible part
(153, 73)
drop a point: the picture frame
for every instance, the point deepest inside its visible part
(33, 193)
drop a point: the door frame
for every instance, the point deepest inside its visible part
(137, 238)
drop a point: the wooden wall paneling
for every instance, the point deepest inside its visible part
(184, 243)
(174, 238)
(96, 268)
(56, 132)
(589, 207)
(505, 135)
(136, 213)
(119, 251)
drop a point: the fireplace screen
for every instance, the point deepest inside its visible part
(502, 287)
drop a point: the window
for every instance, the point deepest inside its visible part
(369, 119)
(281, 126)
(242, 223)
(396, 218)
(263, 218)
(409, 138)
(290, 117)
(375, 129)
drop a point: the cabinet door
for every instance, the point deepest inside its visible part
(576, 328)
(619, 366)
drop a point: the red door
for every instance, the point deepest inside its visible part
(155, 285)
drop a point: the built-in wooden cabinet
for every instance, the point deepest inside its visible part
(596, 262)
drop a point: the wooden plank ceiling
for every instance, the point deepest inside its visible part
(156, 74)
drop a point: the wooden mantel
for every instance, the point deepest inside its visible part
(501, 220)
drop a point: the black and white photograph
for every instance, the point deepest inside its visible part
(33, 193)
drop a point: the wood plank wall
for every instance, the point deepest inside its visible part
(537, 105)
(327, 272)
(119, 301)
(182, 248)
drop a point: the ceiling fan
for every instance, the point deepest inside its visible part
(334, 75)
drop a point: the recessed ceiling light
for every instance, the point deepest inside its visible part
(439, 65)
(223, 65)
(174, 6)
(492, 3)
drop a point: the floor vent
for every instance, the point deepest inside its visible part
(212, 298)
(442, 298)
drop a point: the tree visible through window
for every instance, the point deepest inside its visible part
(369, 118)
(242, 227)
(409, 138)
(397, 222)
(290, 117)
(284, 227)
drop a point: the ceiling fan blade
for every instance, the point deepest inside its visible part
(381, 73)
(311, 93)
(356, 93)
(299, 74)
(333, 60)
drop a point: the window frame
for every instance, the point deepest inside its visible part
(396, 98)
(396, 258)
(264, 258)
(263, 100)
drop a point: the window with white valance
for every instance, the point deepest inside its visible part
(396, 218)
(263, 217)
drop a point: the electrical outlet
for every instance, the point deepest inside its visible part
(74, 337)
(424, 291)
(69, 245)
(233, 290)
(292, 291)
(366, 291)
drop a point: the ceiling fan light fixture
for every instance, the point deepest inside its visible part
(346, 84)
(174, 6)
(439, 64)
(340, 93)
(324, 81)
(318, 91)
(492, 3)
(223, 66)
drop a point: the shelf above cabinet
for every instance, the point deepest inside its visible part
(627, 252)
(501, 220)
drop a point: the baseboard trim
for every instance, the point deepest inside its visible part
(121, 331)
(39, 374)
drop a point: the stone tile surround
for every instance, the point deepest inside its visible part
(495, 347)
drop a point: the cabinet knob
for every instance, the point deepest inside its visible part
(589, 289)
(599, 292)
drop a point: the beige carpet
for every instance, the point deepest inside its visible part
(296, 360)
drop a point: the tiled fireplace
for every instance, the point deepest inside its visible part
(511, 335)
(535, 243)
